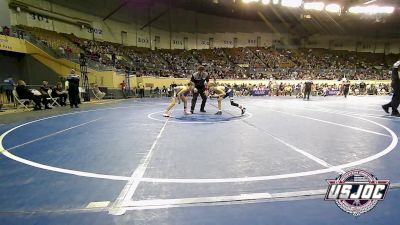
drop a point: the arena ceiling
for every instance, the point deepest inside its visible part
(295, 20)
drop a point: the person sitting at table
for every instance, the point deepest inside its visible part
(24, 93)
(60, 93)
(44, 89)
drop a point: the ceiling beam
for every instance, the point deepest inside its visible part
(154, 19)
(116, 10)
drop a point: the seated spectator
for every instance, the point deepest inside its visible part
(62, 51)
(60, 93)
(44, 90)
(164, 91)
(24, 93)
(6, 31)
(20, 34)
(97, 91)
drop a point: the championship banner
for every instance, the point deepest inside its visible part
(259, 93)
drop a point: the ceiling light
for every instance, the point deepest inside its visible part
(371, 9)
(265, 2)
(333, 8)
(249, 1)
(314, 6)
(291, 3)
(369, 2)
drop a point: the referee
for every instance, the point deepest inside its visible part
(346, 87)
(396, 92)
(73, 89)
(307, 88)
(200, 80)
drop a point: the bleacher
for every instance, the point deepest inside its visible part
(245, 63)
(52, 39)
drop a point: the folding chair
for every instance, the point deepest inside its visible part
(95, 95)
(20, 102)
(52, 101)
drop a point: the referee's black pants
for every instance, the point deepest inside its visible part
(395, 100)
(346, 92)
(307, 93)
(194, 99)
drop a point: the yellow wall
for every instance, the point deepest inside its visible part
(159, 82)
(118, 78)
(12, 44)
(256, 82)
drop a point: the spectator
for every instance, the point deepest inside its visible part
(141, 90)
(114, 58)
(24, 93)
(164, 91)
(60, 93)
(6, 31)
(20, 34)
(68, 52)
(44, 89)
(123, 88)
(62, 51)
(9, 87)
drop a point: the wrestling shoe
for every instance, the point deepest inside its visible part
(218, 113)
(243, 110)
(397, 114)
(385, 108)
(203, 111)
(165, 115)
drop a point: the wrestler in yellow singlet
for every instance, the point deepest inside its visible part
(223, 92)
(179, 93)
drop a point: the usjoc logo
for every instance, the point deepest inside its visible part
(356, 191)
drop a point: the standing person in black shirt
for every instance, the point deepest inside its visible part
(394, 104)
(9, 87)
(114, 58)
(363, 88)
(73, 89)
(346, 87)
(307, 88)
(200, 80)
